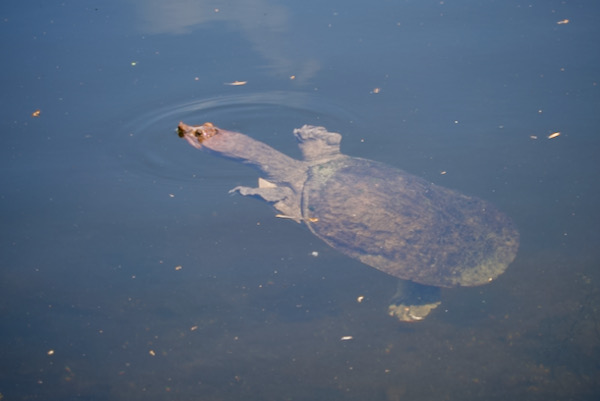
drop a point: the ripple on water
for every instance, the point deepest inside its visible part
(152, 147)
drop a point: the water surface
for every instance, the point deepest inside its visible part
(129, 273)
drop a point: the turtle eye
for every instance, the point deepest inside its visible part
(180, 132)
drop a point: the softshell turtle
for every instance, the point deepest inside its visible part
(424, 234)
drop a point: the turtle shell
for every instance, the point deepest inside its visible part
(405, 226)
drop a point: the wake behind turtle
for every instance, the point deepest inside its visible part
(386, 218)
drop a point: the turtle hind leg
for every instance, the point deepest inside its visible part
(413, 302)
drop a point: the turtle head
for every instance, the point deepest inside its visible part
(195, 134)
(316, 143)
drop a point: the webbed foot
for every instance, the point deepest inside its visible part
(273, 195)
(283, 199)
(411, 313)
(413, 302)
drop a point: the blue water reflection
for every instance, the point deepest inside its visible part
(128, 272)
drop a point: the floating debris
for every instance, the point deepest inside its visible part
(553, 135)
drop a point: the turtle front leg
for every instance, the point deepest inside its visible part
(271, 195)
(283, 199)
